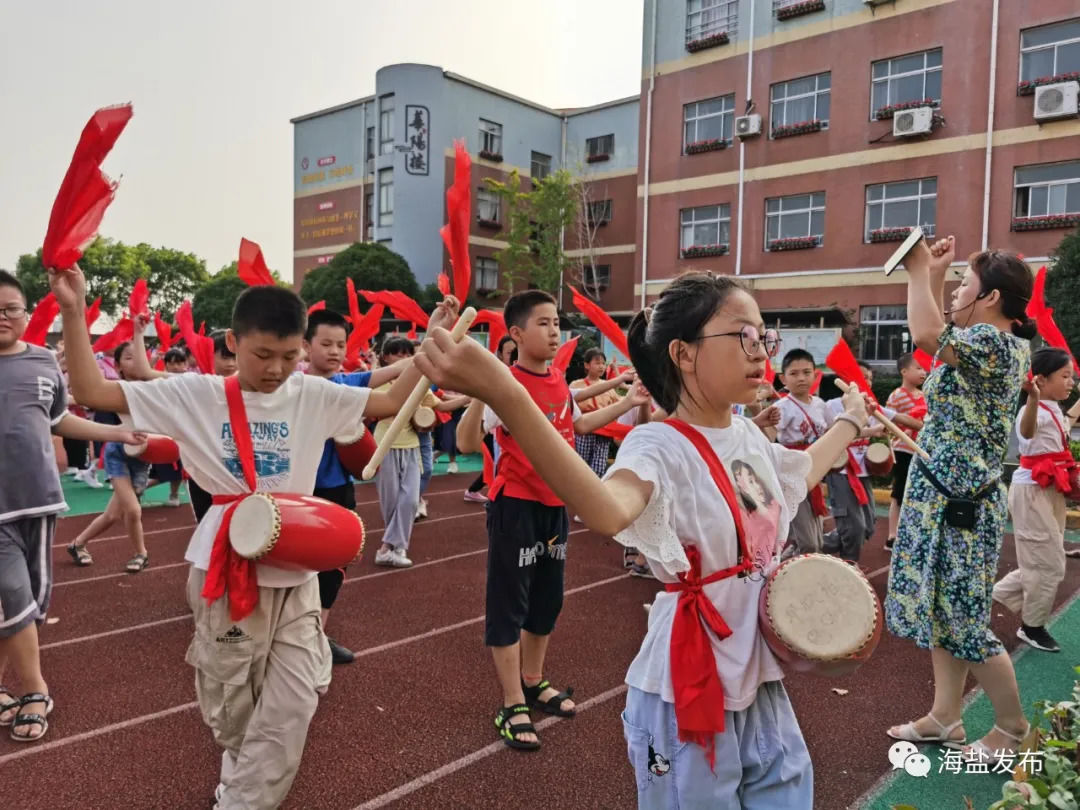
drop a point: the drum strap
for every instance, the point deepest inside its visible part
(699, 693)
(228, 572)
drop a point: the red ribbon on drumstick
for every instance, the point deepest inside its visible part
(602, 321)
(455, 233)
(41, 320)
(1043, 316)
(251, 267)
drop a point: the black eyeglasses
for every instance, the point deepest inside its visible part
(13, 312)
(751, 340)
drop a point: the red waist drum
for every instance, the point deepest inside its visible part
(296, 532)
(356, 450)
(878, 459)
(155, 450)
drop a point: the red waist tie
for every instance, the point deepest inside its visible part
(852, 471)
(1050, 468)
(816, 494)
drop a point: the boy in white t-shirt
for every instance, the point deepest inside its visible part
(260, 665)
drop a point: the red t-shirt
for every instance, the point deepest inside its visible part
(515, 476)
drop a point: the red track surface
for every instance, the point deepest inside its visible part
(409, 724)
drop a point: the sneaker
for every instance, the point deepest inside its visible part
(89, 477)
(475, 497)
(421, 509)
(648, 607)
(400, 560)
(173, 500)
(1038, 638)
(339, 654)
(577, 519)
(889, 544)
(451, 467)
(71, 471)
(392, 558)
(384, 556)
(642, 571)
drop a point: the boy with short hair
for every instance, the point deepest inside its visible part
(35, 405)
(908, 400)
(802, 421)
(258, 675)
(176, 361)
(527, 523)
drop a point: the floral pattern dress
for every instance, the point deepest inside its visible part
(941, 577)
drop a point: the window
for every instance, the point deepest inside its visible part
(539, 165)
(386, 125)
(370, 145)
(490, 138)
(901, 205)
(884, 332)
(487, 274)
(386, 197)
(1050, 50)
(709, 120)
(487, 205)
(706, 18)
(369, 216)
(599, 147)
(1049, 189)
(599, 212)
(595, 278)
(707, 225)
(906, 79)
(801, 216)
(800, 100)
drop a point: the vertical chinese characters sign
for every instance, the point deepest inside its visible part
(418, 130)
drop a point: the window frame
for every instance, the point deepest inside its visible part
(605, 217)
(727, 22)
(386, 213)
(486, 195)
(723, 216)
(726, 116)
(369, 143)
(533, 163)
(817, 93)
(602, 278)
(890, 76)
(928, 229)
(779, 214)
(1048, 185)
(598, 139)
(486, 264)
(386, 125)
(876, 323)
(495, 136)
(1032, 49)
(369, 216)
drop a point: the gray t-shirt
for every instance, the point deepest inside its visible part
(32, 400)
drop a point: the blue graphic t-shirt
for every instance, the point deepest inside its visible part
(331, 473)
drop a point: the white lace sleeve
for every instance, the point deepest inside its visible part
(653, 534)
(792, 467)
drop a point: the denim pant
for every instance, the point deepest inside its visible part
(761, 758)
(425, 461)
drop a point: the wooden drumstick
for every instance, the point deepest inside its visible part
(413, 402)
(889, 425)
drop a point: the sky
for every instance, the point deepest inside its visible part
(207, 157)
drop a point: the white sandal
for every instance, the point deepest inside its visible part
(908, 733)
(979, 751)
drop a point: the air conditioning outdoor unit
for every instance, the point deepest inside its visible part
(1056, 101)
(916, 121)
(746, 126)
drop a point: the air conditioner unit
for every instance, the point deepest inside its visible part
(1056, 101)
(747, 126)
(916, 121)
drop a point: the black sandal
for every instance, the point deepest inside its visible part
(80, 555)
(510, 731)
(32, 719)
(552, 705)
(137, 563)
(7, 705)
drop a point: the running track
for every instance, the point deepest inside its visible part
(409, 724)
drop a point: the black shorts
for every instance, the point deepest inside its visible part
(526, 558)
(330, 581)
(899, 473)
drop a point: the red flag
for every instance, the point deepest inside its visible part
(411, 334)
(202, 328)
(93, 312)
(202, 348)
(602, 321)
(818, 375)
(924, 360)
(164, 336)
(316, 307)
(402, 306)
(443, 283)
(41, 320)
(139, 299)
(562, 357)
(250, 267)
(354, 303)
(364, 329)
(455, 233)
(496, 325)
(770, 372)
(843, 362)
(1043, 316)
(85, 192)
(614, 430)
(122, 332)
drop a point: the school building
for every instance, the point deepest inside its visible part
(790, 143)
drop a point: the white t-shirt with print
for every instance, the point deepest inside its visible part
(801, 423)
(686, 508)
(288, 431)
(1047, 438)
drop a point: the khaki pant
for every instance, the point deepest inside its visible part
(1039, 528)
(258, 682)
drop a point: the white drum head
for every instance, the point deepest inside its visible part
(821, 607)
(135, 450)
(424, 417)
(255, 526)
(351, 438)
(878, 453)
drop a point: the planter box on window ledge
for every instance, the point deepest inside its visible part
(1045, 223)
(1027, 88)
(706, 146)
(494, 157)
(795, 243)
(600, 157)
(889, 234)
(891, 109)
(699, 251)
(598, 223)
(802, 128)
(798, 9)
(711, 41)
(492, 224)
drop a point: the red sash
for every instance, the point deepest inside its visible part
(852, 472)
(699, 693)
(816, 493)
(228, 571)
(1052, 468)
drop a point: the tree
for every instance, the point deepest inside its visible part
(370, 265)
(111, 269)
(1063, 288)
(214, 301)
(591, 215)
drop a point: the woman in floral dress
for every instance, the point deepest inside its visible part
(941, 580)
